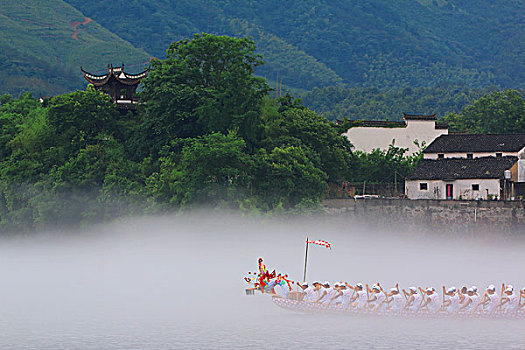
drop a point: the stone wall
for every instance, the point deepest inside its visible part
(434, 213)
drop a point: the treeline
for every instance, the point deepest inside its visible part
(206, 135)
(372, 103)
(500, 112)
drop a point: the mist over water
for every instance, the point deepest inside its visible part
(177, 283)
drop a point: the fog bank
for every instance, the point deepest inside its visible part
(181, 278)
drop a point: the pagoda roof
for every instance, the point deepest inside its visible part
(116, 73)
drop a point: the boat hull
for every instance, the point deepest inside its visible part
(319, 308)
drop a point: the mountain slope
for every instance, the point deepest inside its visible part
(44, 43)
(366, 43)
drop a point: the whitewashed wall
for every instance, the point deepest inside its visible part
(462, 189)
(368, 138)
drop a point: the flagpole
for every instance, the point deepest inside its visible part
(305, 259)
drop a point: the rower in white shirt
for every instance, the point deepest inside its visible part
(413, 299)
(327, 294)
(359, 297)
(322, 292)
(395, 301)
(489, 301)
(521, 302)
(432, 302)
(469, 301)
(346, 296)
(304, 287)
(312, 292)
(452, 303)
(337, 299)
(509, 301)
(377, 297)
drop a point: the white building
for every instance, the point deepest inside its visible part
(370, 135)
(470, 167)
(459, 178)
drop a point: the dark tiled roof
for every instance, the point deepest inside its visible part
(419, 117)
(477, 143)
(462, 168)
(379, 123)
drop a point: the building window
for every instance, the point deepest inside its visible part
(423, 186)
(441, 155)
(470, 155)
(499, 155)
(475, 187)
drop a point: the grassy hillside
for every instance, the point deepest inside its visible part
(43, 44)
(365, 43)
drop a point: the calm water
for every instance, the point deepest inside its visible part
(177, 284)
(269, 328)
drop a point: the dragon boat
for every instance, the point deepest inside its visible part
(319, 308)
(265, 281)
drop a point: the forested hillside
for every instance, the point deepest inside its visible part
(43, 44)
(371, 103)
(363, 43)
(369, 59)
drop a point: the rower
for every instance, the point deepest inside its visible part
(490, 300)
(413, 299)
(431, 300)
(337, 299)
(468, 301)
(346, 295)
(522, 298)
(452, 303)
(509, 301)
(302, 292)
(395, 301)
(359, 300)
(325, 294)
(474, 297)
(313, 292)
(377, 297)
(302, 285)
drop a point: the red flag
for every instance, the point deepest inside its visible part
(323, 243)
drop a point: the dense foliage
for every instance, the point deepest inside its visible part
(375, 104)
(206, 135)
(500, 112)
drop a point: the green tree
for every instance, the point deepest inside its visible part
(210, 169)
(321, 141)
(498, 112)
(381, 166)
(286, 176)
(81, 118)
(204, 85)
